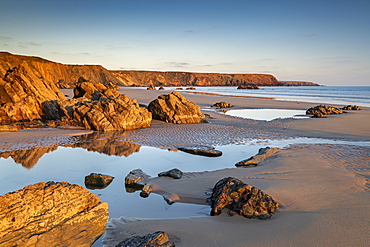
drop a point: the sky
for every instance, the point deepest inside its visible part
(324, 41)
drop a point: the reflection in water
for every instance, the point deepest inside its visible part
(101, 142)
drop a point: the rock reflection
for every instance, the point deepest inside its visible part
(102, 142)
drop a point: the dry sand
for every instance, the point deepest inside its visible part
(323, 188)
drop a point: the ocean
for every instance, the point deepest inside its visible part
(341, 95)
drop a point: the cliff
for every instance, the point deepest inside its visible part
(68, 75)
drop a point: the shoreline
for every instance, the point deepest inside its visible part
(323, 188)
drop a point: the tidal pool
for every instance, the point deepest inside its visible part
(267, 114)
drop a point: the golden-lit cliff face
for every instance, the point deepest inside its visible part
(68, 75)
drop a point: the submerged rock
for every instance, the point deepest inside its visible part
(323, 109)
(157, 239)
(222, 104)
(175, 108)
(201, 150)
(241, 198)
(262, 154)
(351, 108)
(97, 181)
(51, 214)
(136, 180)
(173, 173)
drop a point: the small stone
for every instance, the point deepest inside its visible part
(201, 150)
(173, 173)
(97, 181)
(222, 104)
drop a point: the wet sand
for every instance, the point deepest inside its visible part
(323, 188)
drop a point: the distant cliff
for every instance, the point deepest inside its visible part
(68, 75)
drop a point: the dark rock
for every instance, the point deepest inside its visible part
(318, 115)
(179, 88)
(136, 180)
(51, 214)
(157, 239)
(323, 109)
(222, 104)
(97, 181)
(174, 108)
(351, 108)
(201, 150)
(173, 173)
(190, 88)
(241, 198)
(161, 88)
(262, 154)
(248, 87)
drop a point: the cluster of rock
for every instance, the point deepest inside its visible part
(321, 110)
(263, 153)
(157, 239)
(48, 214)
(248, 87)
(241, 198)
(175, 108)
(222, 104)
(351, 108)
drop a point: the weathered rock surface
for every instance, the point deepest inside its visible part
(175, 108)
(22, 92)
(157, 239)
(351, 108)
(51, 214)
(173, 173)
(241, 198)
(248, 87)
(151, 87)
(263, 153)
(105, 114)
(97, 181)
(95, 91)
(323, 109)
(201, 150)
(222, 104)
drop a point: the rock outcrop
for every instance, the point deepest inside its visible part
(105, 111)
(241, 198)
(351, 108)
(222, 104)
(323, 109)
(51, 214)
(175, 108)
(263, 153)
(157, 239)
(22, 91)
(248, 87)
(97, 181)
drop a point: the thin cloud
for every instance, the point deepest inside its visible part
(5, 37)
(28, 44)
(189, 31)
(178, 64)
(312, 35)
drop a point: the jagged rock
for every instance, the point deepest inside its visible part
(136, 180)
(323, 109)
(105, 114)
(262, 154)
(248, 87)
(351, 108)
(157, 239)
(318, 115)
(22, 92)
(151, 87)
(173, 173)
(201, 150)
(241, 198)
(51, 214)
(222, 104)
(174, 108)
(97, 181)
(96, 91)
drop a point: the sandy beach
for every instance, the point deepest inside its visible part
(323, 187)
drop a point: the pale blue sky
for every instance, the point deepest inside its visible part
(326, 41)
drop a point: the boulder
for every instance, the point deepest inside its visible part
(96, 91)
(222, 104)
(248, 87)
(262, 154)
(323, 109)
(241, 198)
(51, 214)
(173, 173)
(351, 108)
(151, 87)
(201, 150)
(174, 108)
(111, 114)
(97, 181)
(157, 239)
(136, 180)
